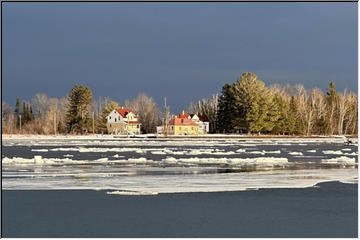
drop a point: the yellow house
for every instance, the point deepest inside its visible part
(182, 125)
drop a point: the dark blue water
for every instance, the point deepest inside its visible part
(328, 210)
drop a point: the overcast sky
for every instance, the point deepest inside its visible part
(185, 51)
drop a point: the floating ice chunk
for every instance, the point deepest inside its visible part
(263, 152)
(351, 154)
(221, 153)
(346, 149)
(40, 150)
(139, 160)
(116, 156)
(131, 193)
(16, 160)
(68, 155)
(296, 153)
(332, 152)
(241, 150)
(170, 160)
(260, 161)
(38, 160)
(311, 151)
(158, 153)
(101, 160)
(231, 161)
(257, 152)
(274, 152)
(340, 160)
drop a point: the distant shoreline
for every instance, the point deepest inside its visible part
(154, 136)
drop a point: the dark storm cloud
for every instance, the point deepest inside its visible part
(182, 51)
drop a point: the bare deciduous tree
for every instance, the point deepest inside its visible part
(148, 111)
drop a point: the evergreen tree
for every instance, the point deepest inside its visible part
(31, 114)
(60, 127)
(224, 113)
(331, 108)
(77, 117)
(251, 105)
(17, 106)
(17, 112)
(280, 110)
(292, 116)
(26, 114)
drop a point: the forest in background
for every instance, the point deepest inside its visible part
(245, 106)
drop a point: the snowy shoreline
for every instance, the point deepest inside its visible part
(153, 137)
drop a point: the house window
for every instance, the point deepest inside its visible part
(115, 119)
(137, 126)
(110, 117)
(182, 120)
(192, 128)
(110, 124)
(179, 128)
(172, 127)
(119, 118)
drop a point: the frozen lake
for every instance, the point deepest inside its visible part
(151, 166)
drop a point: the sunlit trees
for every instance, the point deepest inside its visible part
(249, 106)
(148, 111)
(245, 106)
(207, 107)
(77, 117)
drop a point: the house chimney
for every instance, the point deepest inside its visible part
(122, 107)
(183, 112)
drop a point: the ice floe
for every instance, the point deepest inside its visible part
(340, 160)
(296, 153)
(147, 184)
(332, 152)
(131, 193)
(39, 150)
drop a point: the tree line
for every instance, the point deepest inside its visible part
(76, 113)
(245, 106)
(248, 106)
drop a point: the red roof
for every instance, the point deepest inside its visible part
(185, 115)
(123, 111)
(182, 122)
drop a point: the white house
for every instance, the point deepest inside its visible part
(202, 121)
(123, 121)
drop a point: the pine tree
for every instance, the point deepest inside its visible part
(31, 114)
(224, 112)
(17, 112)
(280, 110)
(251, 105)
(77, 117)
(331, 108)
(60, 127)
(292, 116)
